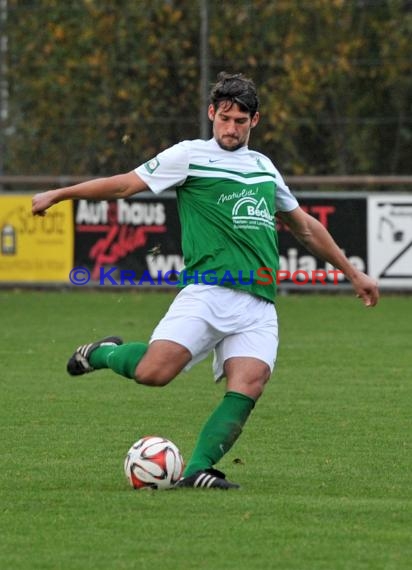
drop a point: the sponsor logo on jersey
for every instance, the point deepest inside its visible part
(249, 213)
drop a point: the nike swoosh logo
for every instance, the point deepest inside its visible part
(215, 160)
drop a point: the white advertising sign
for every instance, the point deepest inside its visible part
(390, 239)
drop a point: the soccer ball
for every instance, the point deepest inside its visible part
(153, 462)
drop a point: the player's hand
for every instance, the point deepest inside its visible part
(366, 289)
(41, 202)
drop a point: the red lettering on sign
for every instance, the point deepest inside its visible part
(322, 213)
(118, 242)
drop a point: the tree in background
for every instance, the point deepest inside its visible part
(98, 87)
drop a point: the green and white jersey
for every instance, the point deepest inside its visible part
(226, 202)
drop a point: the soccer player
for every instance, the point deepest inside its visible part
(227, 197)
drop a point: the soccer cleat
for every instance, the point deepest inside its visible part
(79, 361)
(207, 479)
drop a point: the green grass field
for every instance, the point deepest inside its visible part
(325, 462)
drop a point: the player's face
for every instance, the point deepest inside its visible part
(231, 126)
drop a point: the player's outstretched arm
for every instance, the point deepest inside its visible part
(110, 188)
(316, 238)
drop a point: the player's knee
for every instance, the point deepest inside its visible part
(153, 375)
(258, 386)
(265, 378)
(252, 384)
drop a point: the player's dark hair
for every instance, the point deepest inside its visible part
(235, 89)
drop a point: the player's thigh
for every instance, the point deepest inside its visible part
(258, 342)
(189, 323)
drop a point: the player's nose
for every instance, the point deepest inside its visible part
(231, 129)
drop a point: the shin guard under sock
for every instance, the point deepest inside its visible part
(220, 432)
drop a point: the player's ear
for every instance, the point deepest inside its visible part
(211, 112)
(255, 120)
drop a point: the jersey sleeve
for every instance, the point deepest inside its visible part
(166, 170)
(285, 200)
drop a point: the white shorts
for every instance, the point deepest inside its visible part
(230, 322)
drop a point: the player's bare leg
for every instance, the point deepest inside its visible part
(161, 363)
(247, 376)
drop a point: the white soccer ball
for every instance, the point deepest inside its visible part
(153, 462)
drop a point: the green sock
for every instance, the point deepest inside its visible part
(121, 359)
(220, 431)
